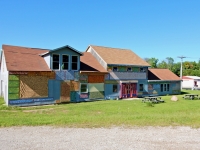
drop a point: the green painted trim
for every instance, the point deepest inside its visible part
(13, 77)
(13, 83)
(13, 96)
(112, 82)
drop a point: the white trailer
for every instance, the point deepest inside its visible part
(191, 82)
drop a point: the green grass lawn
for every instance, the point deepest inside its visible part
(106, 113)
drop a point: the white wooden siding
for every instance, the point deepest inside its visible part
(47, 60)
(4, 79)
(99, 59)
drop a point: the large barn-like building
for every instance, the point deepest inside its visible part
(34, 76)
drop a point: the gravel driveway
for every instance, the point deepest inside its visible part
(116, 138)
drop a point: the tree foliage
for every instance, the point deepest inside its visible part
(190, 68)
(152, 61)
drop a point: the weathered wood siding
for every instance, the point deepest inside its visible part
(33, 86)
(96, 79)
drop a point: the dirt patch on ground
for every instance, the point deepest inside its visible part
(116, 138)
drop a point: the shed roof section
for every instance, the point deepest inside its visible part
(90, 64)
(162, 74)
(191, 77)
(118, 56)
(24, 58)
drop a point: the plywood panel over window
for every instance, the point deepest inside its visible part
(48, 74)
(94, 87)
(65, 91)
(96, 79)
(97, 95)
(74, 86)
(33, 86)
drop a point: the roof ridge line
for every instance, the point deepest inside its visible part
(24, 47)
(110, 47)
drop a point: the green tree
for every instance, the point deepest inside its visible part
(170, 62)
(152, 61)
(176, 68)
(162, 65)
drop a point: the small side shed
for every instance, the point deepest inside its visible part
(163, 82)
(191, 82)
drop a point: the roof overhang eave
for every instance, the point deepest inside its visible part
(93, 72)
(164, 80)
(129, 65)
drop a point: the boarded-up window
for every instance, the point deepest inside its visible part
(97, 95)
(74, 86)
(65, 92)
(94, 87)
(96, 79)
(33, 86)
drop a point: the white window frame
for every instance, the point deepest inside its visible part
(86, 87)
(113, 68)
(68, 62)
(77, 62)
(58, 62)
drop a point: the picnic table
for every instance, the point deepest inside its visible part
(191, 96)
(153, 99)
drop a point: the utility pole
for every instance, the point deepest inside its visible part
(181, 70)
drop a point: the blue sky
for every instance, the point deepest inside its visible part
(150, 28)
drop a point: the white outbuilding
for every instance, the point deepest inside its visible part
(191, 82)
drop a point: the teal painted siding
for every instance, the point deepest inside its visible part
(73, 96)
(109, 94)
(124, 68)
(54, 89)
(145, 88)
(155, 88)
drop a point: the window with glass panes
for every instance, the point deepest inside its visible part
(164, 87)
(74, 62)
(115, 69)
(83, 88)
(141, 88)
(114, 88)
(65, 62)
(56, 58)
